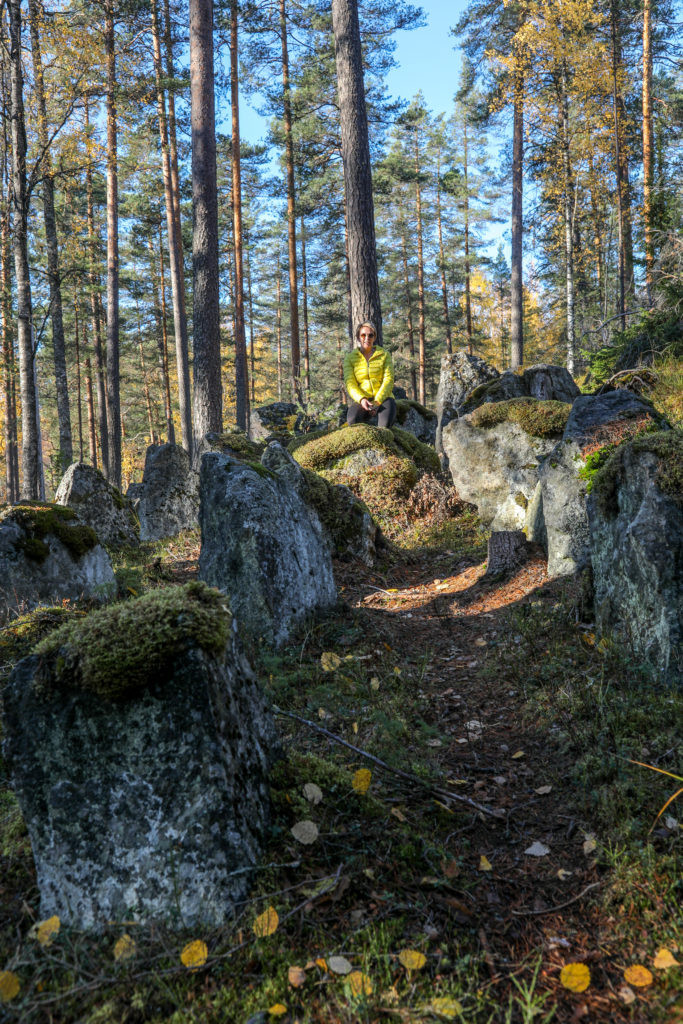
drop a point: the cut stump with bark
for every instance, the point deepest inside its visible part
(508, 549)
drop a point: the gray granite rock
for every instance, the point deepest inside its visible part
(418, 421)
(100, 505)
(276, 417)
(636, 541)
(542, 381)
(594, 421)
(263, 546)
(460, 375)
(47, 555)
(151, 806)
(170, 493)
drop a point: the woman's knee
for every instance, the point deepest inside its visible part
(387, 413)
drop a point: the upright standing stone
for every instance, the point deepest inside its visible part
(99, 504)
(460, 375)
(170, 493)
(139, 744)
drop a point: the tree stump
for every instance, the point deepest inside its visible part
(508, 549)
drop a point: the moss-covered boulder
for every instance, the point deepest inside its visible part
(494, 454)
(541, 381)
(233, 442)
(635, 518)
(139, 745)
(47, 554)
(100, 505)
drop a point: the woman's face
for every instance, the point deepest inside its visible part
(366, 338)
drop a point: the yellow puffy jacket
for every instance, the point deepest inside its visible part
(373, 379)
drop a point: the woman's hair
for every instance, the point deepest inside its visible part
(365, 323)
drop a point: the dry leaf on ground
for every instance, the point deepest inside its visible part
(195, 954)
(543, 790)
(277, 1010)
(485, 864)
(45, 931)
(589, 845)
(330, 661)
(575, 977)
(339, 965)
(296, 976)
(359, 984)
(665, 959)
(266, 923)
(537, 850)
(446, 1007)
(305, 832)
(412, 959)
(361, 780)
(9, 986)
(627, 995)
(313, 793)
(124, 948)
(638, 975)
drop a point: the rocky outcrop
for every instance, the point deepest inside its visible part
(494, 454)
(596, 423)
(47, 555)
(460, 375)
(542, 381)
(263, 546)
(273, 417)
(346, 522)
(170, 493)
(139, 745)
(100, 505)
(416, 420)
(635, 520)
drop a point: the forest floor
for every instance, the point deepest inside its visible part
(479, 825)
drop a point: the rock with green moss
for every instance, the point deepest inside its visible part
(597, 422)
(276, 420)
(356, 448)
(495, 452)
(100, 505)
(263, 546)
(346, 522)
(47, 554)
(139, 746)
(635, 518)
(233, 442)
(541, 381)
(170, 493)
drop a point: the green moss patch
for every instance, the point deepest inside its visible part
(537, 417)
(23, 633)
(326, 449)
(341, 517)
(385, 489)
(404, 405)
(423, 455)
(40, 520)
(665, 445)
(236, 443)
(121, 650)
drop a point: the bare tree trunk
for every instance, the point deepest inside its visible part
(516, 286)
(365, 300)
(251, 328)
(30, 462)
(304, 288)
(340, 371)
(208, 391)
(8, 367)
(468, 289)
(159, 286)
(96, 319)
(291, 210)
(442, 260)
(78, 382)
(420, 274)
(145, 382)
(52, 251)
(622, 172)
(278, 322)
(409, 307)
(92, 436)
(508, 549)
(347, 277)
(175, 245)
(568, 225)
(241, 370)
(648, 149)
(113, 381)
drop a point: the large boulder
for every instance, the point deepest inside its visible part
(47, 555)
(170, 493)
(460, 374)
(139, 745)
(596, 424)
(100, 505)
(635, 518)
(494, 453)
(263, 546)
(542, 380)
(346, 522)
(416, 420)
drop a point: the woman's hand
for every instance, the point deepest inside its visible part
(367, 405)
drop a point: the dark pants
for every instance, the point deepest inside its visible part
(386, 414)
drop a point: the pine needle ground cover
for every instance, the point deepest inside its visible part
(459, 830)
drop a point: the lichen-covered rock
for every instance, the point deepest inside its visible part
(460, 374)
(263, 546)
(416, 420)
(278, 418)
(47, 554)
(134, 493)
(494, 454)
(141, 767)
(542, 380)
(233, 442)
(100, 505)
(635, 516)
(595, 422)
(346, 522)
(170, 493)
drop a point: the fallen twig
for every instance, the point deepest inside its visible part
(414, 779)
(560, 906)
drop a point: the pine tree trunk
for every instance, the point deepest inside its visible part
(507, 550)
(278, 322)
(208, 392)
(145, 382)
(409, 308)
(291, 211)
(52, 251)
(621, 166)
(648, 170)
(468, 289)
(241, 370)
(78, 381)
(8, 368)
(96, 319)
(420, 274)
(252, 359)
(442, 260)
(92, 436)
(30, 467)
(304, 288)
(516, 285)
(175, 248)
(159, 296)
(365, 300)
(568, 226)
(113, 380)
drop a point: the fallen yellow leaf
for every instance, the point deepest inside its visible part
(575, 977)
(361, 780)
(665, 959)
(46, 930)
(638, 975)
(485, 864)
(359, 984)
(266, 923)
(296, 976)
(412, 959)
(355, 728)
(9, 986)
(398, 814)
(277, 1010)
(330, 661)
(446, 1007)
(124, 948)
(195, 954)
(517, 755)
(321, 963)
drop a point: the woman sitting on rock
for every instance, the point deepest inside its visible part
(369, 379)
